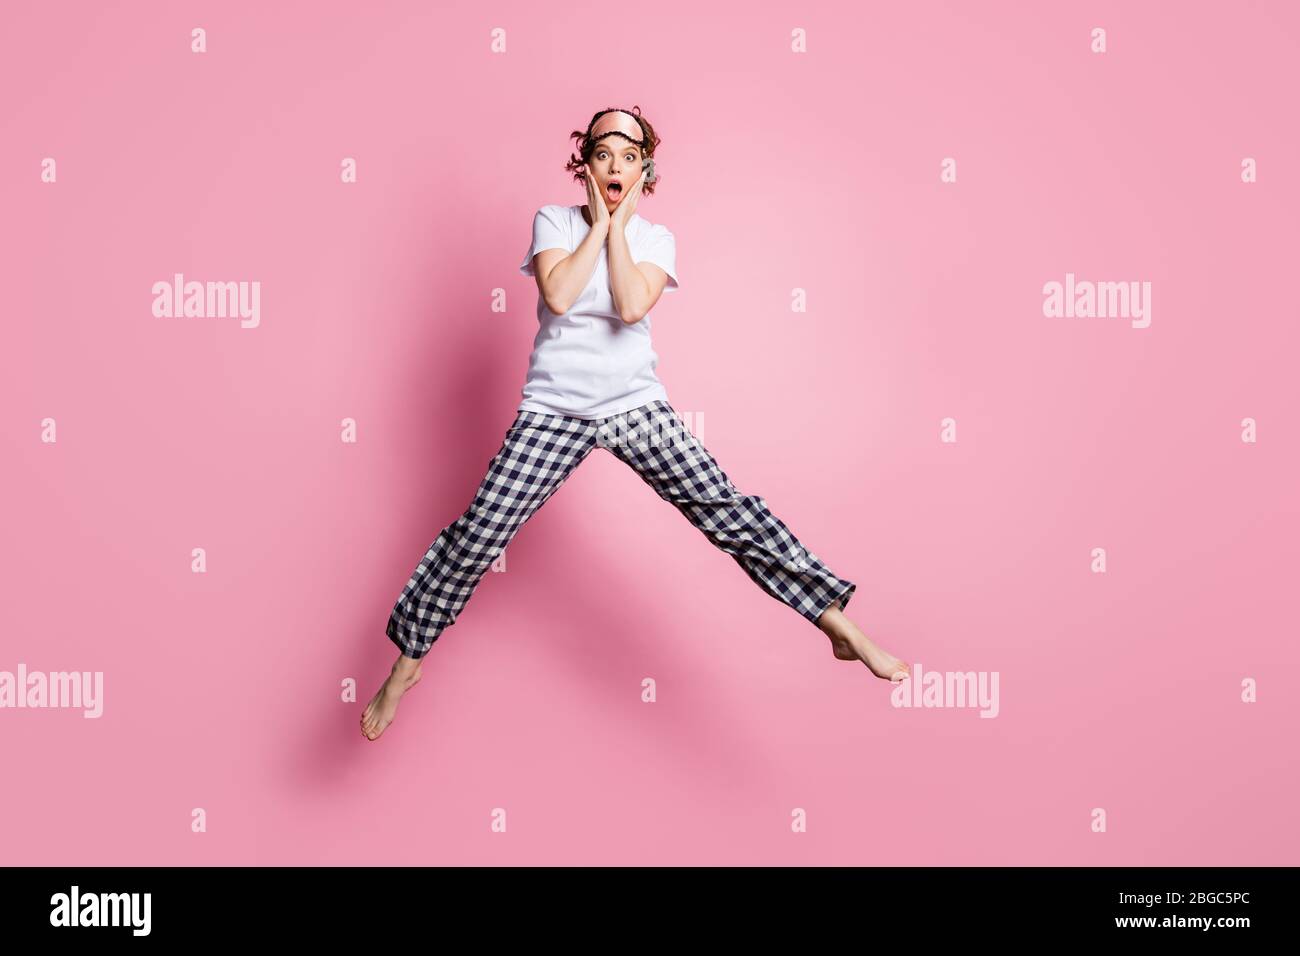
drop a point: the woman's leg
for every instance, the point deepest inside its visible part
(539, 452)
(655, 442)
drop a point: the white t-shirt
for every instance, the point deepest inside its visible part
(589, 363)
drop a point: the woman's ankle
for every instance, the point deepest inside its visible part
(406, 667)
(831, 619)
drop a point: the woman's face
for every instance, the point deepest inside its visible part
(617, 164)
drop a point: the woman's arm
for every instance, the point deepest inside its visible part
(636, 287)
(562, 275)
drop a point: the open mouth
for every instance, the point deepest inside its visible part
(613, 189)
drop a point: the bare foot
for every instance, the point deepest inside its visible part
(381, 710)
(848, 643)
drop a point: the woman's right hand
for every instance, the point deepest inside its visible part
(595, 202)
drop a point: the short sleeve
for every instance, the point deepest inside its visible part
(661, 249)
(550, 231)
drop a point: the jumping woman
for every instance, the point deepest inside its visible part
(600, 268)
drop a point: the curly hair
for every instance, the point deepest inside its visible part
(587, 146)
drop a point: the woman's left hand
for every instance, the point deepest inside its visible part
(622, 213)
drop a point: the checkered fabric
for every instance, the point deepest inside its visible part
(540, 451)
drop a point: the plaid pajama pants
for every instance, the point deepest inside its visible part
(540, 451)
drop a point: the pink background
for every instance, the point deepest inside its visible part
(817, 171)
